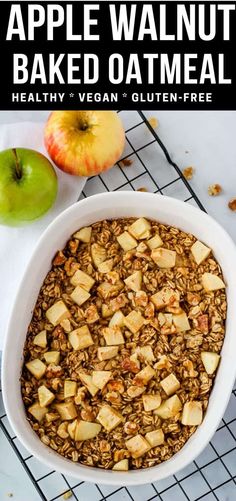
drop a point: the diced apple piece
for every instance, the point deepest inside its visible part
(154, 242)
(98, 254)
(109, 418)
(122, 465)
(86, 430)
(164, 258)
(57, 312)
(126, 241)
(200, 251)
(62, 430)
(80, 338)
(210, 361)
(84, 234)
(135, 391)
(37, 411)
(79, 295)
(36, 367)
(137, 446)
(151, 402)
(106, 266)
(66, 325)
(83, 280)
(134, 359)
(113, 336)
(166, 323)
(106, 311)
(145, 235)
(52, 357)
(169, 408)
(113, 277)
(41, 339)
(106, 289)
(192, 413)
(168, 318)
(134, 281)
(66, 410)
(170, 384)
(71, 429)
(155, 437)
(87, 381)
(181, 322)
(45, 396)
(134, 321)
(162, 318)
(145, 353)
(165, 297)
(139, 228)
(101, 378)
(141, 247)
(107, 352)
(117, 319)
(70, 388)
(212, 282)
(141, 299)
(144, 376)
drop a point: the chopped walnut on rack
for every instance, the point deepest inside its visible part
(153, 122)
(188, 173)
(142, 189)
(126, 162)
(214, 190)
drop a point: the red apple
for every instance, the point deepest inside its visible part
(84, 143)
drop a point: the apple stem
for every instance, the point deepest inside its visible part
(84, 126)
(18, 167)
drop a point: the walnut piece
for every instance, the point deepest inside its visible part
(214, 190)
(232, 204)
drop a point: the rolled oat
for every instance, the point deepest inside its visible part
(129, 355)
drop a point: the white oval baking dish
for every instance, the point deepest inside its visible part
(98, 207)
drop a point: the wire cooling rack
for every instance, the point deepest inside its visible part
(213, 475)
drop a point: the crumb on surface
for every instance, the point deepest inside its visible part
(67, 495)
(10, 495)
(188, 173)
(126, 162)
(142, 189)
(214, 190)
(232, 204)
(153, 122)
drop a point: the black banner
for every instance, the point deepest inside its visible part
(117, 55)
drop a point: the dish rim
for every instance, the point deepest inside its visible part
(205, 431)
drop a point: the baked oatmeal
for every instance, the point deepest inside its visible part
(124, 342)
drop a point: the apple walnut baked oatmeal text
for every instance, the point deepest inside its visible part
(124, 342)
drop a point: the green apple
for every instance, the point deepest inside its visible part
(28, 186)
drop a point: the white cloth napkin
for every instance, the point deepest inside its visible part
(17, 244)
